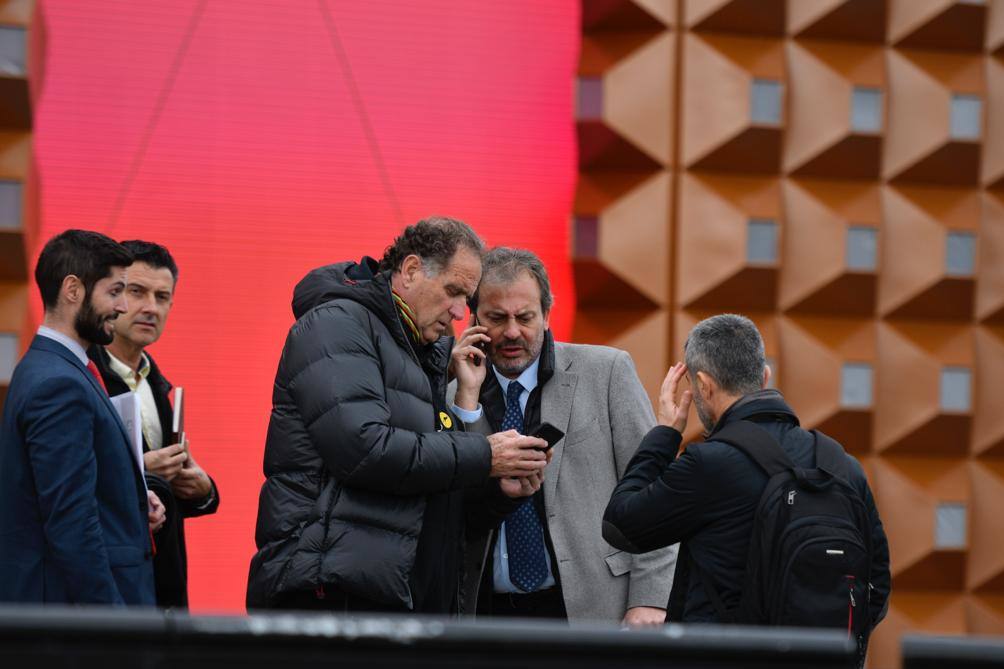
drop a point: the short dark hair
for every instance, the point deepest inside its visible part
(85, 254)
(504, 265)
(729, 349)
(154, 255)
(435, 240)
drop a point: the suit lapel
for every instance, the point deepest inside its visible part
(45, 344)
(556, 409)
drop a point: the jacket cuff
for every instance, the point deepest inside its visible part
(474, 458)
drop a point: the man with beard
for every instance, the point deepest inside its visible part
(549, 559)
(75, 516)
(363, 506)
(125, 366)
(707, 497)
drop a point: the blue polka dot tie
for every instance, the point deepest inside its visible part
(523, 534)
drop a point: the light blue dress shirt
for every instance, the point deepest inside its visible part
(75, 348)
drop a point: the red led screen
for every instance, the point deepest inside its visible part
(258, 140)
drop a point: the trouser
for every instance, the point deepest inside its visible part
(541, 604)
(330, 599)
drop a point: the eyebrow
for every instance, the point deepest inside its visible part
(518, 314)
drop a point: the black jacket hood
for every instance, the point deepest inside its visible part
(349, 279)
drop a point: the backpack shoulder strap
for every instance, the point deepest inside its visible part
(757, 443)
(830, 456)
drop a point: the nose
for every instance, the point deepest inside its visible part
(149, 304)
(457, 310)
(511, 330)
(120, 304)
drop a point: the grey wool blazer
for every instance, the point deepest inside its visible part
(596, 398)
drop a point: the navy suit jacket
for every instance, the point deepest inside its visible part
(73, 508)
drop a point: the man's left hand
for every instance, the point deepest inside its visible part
(191, 482)
(156, 514)
(524, 486)
(644, 616)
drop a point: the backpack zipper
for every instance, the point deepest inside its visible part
(851, 604)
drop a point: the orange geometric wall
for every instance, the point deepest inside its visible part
(835, 170)
(16, 200)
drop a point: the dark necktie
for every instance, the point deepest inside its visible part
(524, 535)
(93, 369)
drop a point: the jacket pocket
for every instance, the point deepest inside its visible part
(125, 556)
(619, 563)
(583, 433)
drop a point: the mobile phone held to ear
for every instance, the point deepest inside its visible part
(548, 433)
(472, 304)
(483, 347)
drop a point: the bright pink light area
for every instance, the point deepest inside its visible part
(258, 140)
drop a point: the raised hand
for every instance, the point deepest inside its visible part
(469, 376)
(673, 412)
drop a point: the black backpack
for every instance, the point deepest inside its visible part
(810, 554)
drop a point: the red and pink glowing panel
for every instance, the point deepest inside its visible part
(258, 140)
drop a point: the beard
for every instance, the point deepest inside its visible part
(513, 367)
(702, 412)
(90, 325)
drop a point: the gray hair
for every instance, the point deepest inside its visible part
(503, 265)
(729, 349)
(435, 240)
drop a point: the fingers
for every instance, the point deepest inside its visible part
(671, 383)
(534, 443)
(685, 401)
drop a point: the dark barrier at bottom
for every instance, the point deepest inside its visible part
(927, 652)
(39, 638)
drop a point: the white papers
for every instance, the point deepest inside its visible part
(128, 407)
(178, 416)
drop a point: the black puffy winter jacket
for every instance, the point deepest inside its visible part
(352, 454)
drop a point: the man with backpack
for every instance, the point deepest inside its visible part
(777, 524)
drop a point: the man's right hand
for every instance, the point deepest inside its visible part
(469, 376)
(165, 462)
(516, 455)
(673, 411)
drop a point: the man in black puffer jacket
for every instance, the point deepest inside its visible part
(363, 505)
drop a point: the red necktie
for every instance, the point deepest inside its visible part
(93, 369)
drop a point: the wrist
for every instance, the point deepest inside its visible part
(467, 398)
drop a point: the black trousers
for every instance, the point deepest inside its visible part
(330, 599)
(541, 604)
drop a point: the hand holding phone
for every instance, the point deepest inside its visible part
(548, 433)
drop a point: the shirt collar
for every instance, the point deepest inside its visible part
(75, 348)
(528, 379)
(125, 371)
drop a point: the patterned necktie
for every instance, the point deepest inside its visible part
(93, 369)
(524, 535)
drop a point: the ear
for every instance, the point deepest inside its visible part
(767, 373)
(706, 385)
(410, 267)
(72, 290)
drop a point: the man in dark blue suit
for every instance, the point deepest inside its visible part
(75, 516)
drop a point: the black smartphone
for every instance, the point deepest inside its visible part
(472, 304)
(548, 433)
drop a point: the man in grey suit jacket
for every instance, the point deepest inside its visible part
(549, 559)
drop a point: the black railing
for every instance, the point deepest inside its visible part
(38, 638)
